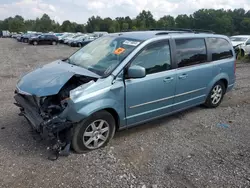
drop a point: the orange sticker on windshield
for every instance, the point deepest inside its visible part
(118, 51)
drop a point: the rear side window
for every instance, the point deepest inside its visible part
(220, 48)
(190, 52)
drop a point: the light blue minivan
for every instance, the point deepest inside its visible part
(124, 79)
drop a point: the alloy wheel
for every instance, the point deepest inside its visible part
(96, 134)
(216, 94)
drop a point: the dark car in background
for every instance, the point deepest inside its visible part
(25, 38)
(44, 39)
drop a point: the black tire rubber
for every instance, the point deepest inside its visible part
(79, 129)
(208, 102)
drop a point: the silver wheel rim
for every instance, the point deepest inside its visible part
(79, 45)
(35, 43)
(216, 94)
(54, 43)
(96, 134)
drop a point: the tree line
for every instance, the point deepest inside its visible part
(229, 22)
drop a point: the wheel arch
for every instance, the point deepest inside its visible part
(111, 106)
(221, 77)
(115, 115)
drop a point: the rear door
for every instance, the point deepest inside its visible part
(42, 39)
(47, 39)
(151, 96)
(194, 73)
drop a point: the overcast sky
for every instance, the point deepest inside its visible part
(80, 10)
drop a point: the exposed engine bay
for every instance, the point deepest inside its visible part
(52, 105)
(43, 113)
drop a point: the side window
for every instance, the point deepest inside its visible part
(154, 58)
(190, 52)
(220, 48)
(42, 36)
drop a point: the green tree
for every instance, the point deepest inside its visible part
(67, 26)
(245, 26)
(44, 24)
(145, 20)
(166, 22)
(125, 26)
(183, 21)
(16, 24)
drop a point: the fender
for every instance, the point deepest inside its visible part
(216, 79)
(102, 104)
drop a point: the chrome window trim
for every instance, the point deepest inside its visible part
(166, 98)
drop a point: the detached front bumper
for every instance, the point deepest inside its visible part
(47, 127)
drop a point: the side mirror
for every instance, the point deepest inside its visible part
(136, 72)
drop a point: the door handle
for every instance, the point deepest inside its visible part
(183, 76)
(168, 79)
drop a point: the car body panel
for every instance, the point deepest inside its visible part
(104, 94)
(149, 96)
(133, 100)
(189, 90)
(50, 78)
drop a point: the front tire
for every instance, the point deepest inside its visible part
(94, 132)
(216, 95)
(35, 43)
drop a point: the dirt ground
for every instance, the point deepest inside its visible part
(188, 149)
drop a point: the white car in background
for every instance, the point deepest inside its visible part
(241, 43)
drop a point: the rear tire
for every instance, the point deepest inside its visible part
(54, 43)
(216, 95)
(94, 132)
(79, 45)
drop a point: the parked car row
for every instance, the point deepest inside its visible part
(79, 39)
(71, 39)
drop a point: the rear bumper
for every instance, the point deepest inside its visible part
(47, 127)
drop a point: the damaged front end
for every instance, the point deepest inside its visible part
(48, 114)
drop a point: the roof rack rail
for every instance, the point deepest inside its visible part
(171, 29)
(203, 31)
(182, 30)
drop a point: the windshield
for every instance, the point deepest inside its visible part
(103, 54)
(238, 39)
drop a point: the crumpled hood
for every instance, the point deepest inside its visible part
(49, 79)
